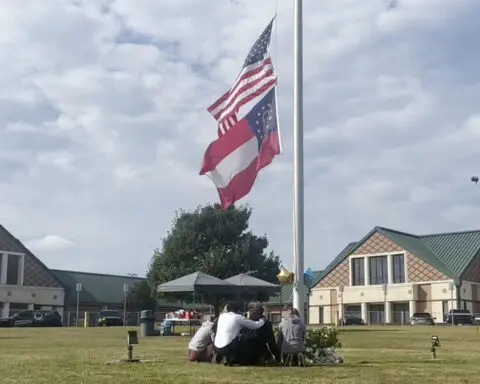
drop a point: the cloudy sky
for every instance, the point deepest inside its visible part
(103, 122)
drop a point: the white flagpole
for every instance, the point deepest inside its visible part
(298, 204)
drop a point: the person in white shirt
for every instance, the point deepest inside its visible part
(228, 327)
(200, 346)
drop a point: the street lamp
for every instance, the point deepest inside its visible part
(78, 288)
(125, 293)
(474, 179)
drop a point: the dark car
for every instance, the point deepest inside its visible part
(32, 319)
(109, 318)
(422, 318)
(460, 316)
(352, 320)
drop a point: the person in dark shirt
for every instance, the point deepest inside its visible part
(259, 344)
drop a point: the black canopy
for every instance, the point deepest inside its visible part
(198, 282)
(250, 284)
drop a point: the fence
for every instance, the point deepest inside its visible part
(131, 319)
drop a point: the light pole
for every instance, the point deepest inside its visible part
(125, 293)
(78, 288)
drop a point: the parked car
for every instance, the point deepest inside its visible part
(352, 320)
(109, 318)
(460, 316)
(32, 319)
(422, 318)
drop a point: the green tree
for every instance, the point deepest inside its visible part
(141, 297)
(214, 241)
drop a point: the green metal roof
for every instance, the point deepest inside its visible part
(456, 250)
(97, 289)
(450, 253)
(285, 297)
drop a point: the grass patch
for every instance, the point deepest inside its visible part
(372, 355)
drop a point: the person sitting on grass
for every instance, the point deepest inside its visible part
(227, 345)
(259, 344)
(200, 348)
(291, 335)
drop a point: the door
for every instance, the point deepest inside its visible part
(401, 313)
(376, 314)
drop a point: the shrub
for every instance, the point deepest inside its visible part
(318, 340)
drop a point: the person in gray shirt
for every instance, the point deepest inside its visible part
(200, 348)
(291, 334)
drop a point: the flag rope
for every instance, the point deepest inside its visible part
(275, 55)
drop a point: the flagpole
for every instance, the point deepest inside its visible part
(298, 204)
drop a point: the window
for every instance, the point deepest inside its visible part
(358, 271)
(378, 270)
(398, 272)
(12, 269)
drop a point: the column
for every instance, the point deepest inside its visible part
(390, 269)
(366, 271)
(3, 272)
(6, 310)
(60, 311)
(341, 311)
(388, 312)
(411, 307)
(364, 312)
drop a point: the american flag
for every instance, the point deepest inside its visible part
(256, 77)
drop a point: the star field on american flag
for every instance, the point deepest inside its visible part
(256, 77)
(260, 47)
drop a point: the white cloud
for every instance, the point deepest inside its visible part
(50, 243)
(103, 123)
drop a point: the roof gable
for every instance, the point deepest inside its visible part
(347, 251)
(450, 253)
(35, 272)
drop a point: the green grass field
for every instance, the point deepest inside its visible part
(372, 355)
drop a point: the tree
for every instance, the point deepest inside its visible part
(140, 297)
(214, 241)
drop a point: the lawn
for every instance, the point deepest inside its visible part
(372, 355)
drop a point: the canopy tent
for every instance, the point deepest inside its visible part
(198, 282)
(253, 285)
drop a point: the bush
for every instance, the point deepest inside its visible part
(318, 340)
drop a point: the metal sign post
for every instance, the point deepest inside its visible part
(125, 293)
(78, 288)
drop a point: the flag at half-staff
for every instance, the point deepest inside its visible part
(247, 143)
